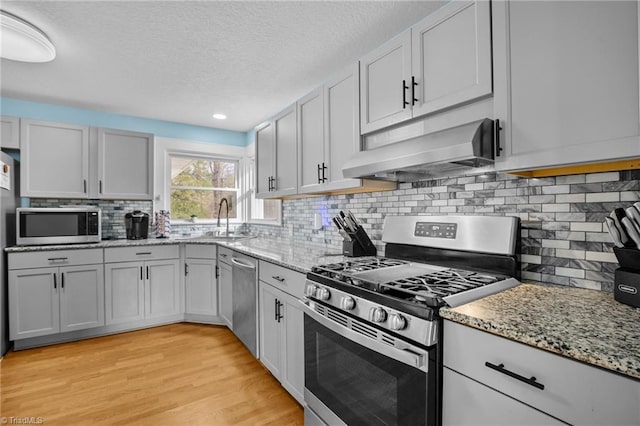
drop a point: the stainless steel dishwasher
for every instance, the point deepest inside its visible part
(244, 297)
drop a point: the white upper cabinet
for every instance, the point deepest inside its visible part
(69, 161)
(341, 126)
(265, 160)
(9, 132)
(566, 77)
(442, 61)
(125, 165)
(312, 168)
(384, 76)
(55, 160)
(286, 152)
(451, 56)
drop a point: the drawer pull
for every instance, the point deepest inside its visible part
(277, 278)
(500, 368)
(57, 259)
(144, 253)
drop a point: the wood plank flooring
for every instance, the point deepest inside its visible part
(188, 374)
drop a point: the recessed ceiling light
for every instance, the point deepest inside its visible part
(219, 116)
(22, 41)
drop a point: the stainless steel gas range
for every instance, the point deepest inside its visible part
(372, 330)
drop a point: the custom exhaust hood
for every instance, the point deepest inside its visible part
(465, 149)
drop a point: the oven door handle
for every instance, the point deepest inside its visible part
(412, 356)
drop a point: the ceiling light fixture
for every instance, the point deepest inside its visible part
(22, 41)
(219, 116)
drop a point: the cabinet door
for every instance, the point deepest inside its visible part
(162, 288)
(292, 376)
(286, 142)
(451, 58)
(124, 292)
(34, 308)
(270, 329)
(569, 94)
(467, 402)
(55, 159)
(81, 297)
(226, 293)
(9, 132)
(265, 159)
(125, 165)
(385, 77)
(341, 126)
(311, 160)
(201, 290)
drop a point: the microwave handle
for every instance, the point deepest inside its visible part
(411, 355)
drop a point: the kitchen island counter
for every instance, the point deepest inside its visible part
(581, 324)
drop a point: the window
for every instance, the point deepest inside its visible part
(199, 184)
(261, 211)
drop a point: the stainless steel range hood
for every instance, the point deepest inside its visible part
(464, 149)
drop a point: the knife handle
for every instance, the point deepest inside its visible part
(631, 230)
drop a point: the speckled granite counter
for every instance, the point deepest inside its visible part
(287, 253)
(586, 325)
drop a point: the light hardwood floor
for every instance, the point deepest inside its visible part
(179, 374)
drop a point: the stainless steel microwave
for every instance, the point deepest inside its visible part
(58, 225)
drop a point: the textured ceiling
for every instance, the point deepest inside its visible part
(184, 60)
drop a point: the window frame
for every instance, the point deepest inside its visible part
(209, 157)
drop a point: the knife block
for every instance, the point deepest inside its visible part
(354, 249)
(626, 284)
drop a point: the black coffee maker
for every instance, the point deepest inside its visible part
(137, 225)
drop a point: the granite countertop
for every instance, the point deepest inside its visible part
(291, 254)
(585, 325)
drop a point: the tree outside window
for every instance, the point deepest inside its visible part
(199, 184)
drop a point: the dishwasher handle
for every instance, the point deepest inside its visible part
(235, 261)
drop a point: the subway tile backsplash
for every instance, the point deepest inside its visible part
(563, 238)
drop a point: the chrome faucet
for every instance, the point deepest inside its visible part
(220, 209)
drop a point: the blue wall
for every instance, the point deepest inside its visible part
(63, 114)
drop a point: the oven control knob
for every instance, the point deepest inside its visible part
(311, 290)
(378, 315)
(323, 294)
(397, 322)
(347, 303)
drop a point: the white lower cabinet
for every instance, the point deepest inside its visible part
(492, 380)
(60, 291)
(282, 326)
(143, 289)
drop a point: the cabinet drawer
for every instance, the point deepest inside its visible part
(573, 392)
(200, 251)
(42, 259)
(283, 278)
(224, 254)
(132, 254)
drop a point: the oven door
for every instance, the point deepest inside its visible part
(356, 374)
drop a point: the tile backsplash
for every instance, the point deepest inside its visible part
(563, 238)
